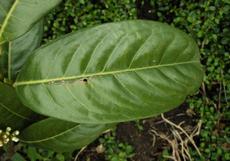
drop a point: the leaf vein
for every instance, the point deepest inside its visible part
(14, 113)
(141, 47)
(50, 138)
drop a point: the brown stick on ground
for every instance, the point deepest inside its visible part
(179, 144)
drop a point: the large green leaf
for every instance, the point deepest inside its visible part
(61, 135)
(18, 16)
(15, 53)
(12, 112)
(112, 73)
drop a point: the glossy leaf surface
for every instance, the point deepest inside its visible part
(112, 73)
(61, 135)
(12, 112)
(18, 16)
(15, 53)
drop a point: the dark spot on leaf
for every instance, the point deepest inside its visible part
(85, 80)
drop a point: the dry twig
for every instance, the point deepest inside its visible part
(178, 143)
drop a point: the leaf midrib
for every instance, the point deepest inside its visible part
(32, 82)
(51, 137)
(6, 20)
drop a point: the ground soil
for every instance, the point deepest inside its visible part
(142, 140)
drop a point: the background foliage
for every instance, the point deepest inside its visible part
(73, 15)
(207, 21)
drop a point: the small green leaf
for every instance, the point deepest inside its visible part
(33, 154)
(18, 157)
